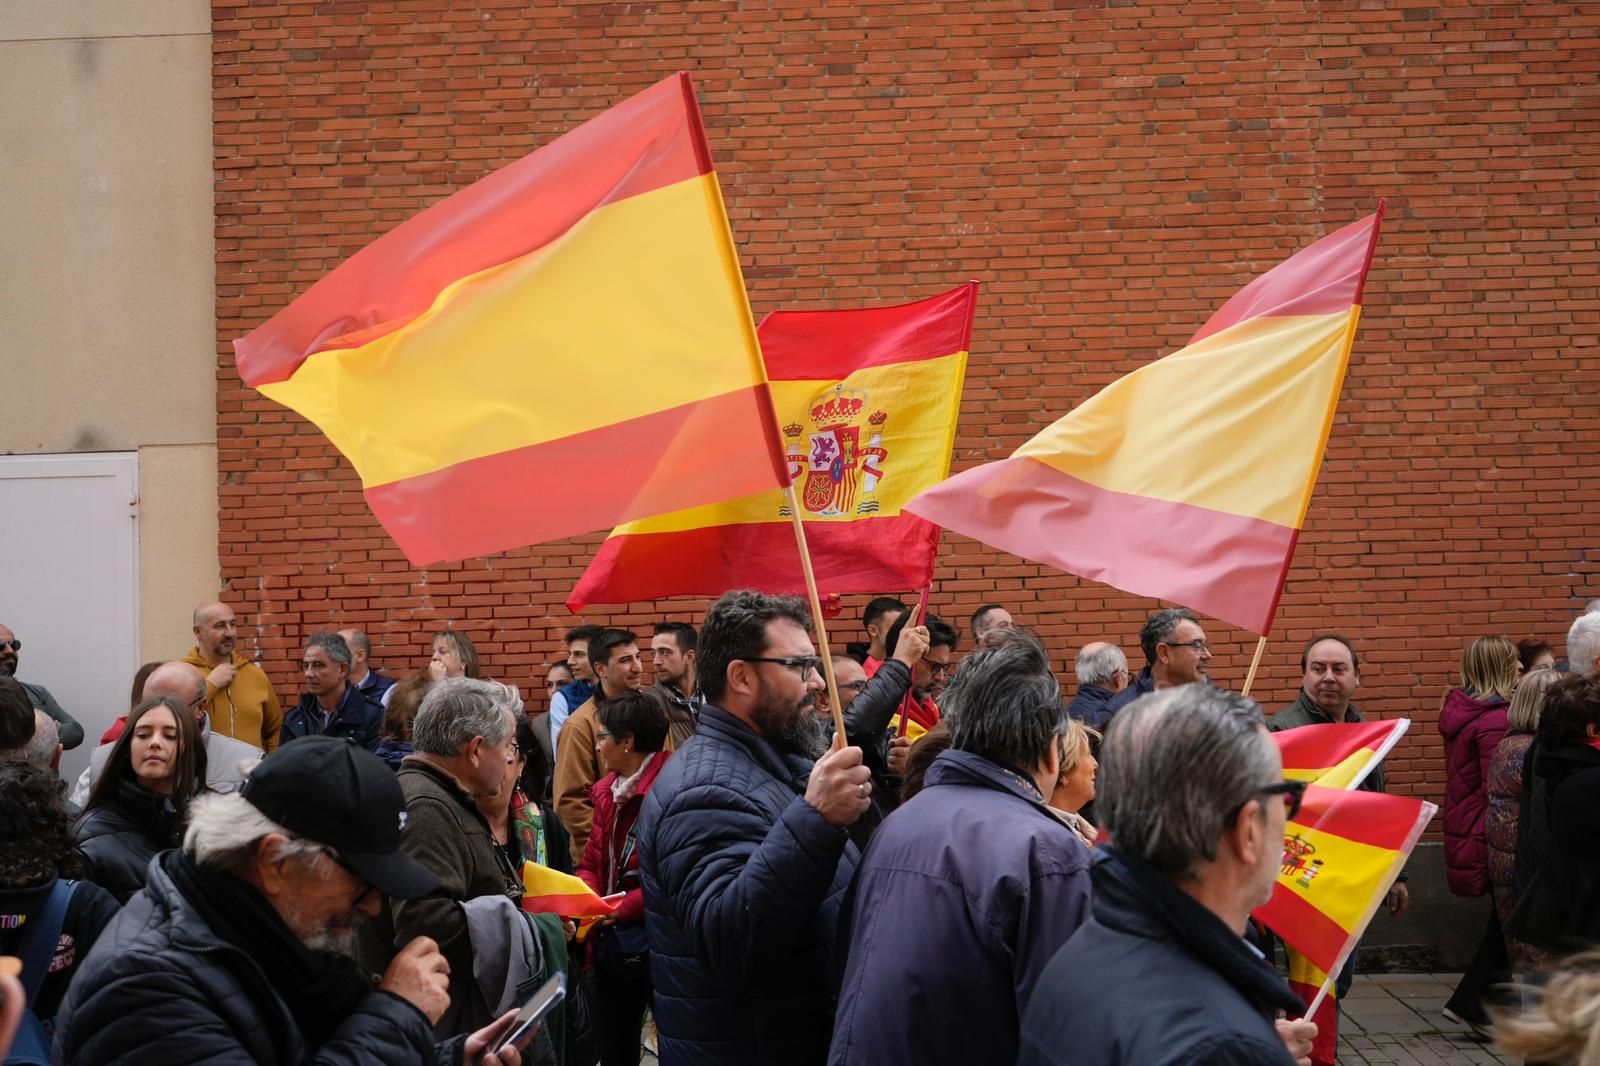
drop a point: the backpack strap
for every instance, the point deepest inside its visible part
(41, 935)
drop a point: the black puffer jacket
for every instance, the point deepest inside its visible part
(866, 725)
(743, 880)
(120, 838)
(161, 987)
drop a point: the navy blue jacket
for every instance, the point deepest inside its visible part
(161, 986)
(962, 899)
(356, 717)
(1091, 705)
(743, 880)
(1144, 683)
(1154, 979)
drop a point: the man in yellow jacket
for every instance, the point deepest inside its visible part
(239, 697)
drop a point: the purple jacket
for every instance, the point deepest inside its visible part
(1472, 729)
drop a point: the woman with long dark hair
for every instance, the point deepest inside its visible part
(138, 807)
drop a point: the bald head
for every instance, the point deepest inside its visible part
(182, 681)
(215, 630)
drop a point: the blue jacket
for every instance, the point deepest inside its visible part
(356, 717)
(743, 880)
(961, 901)
(161, 986)
(1144, 683)
(1154, 979)
(1091, 705)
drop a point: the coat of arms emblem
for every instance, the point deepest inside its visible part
(838, 462)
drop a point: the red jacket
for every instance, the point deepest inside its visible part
(605, 868)
(1472, 729)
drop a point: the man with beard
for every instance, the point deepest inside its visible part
(71, 733)
(238, 948)
(239, 698)
(744, 848)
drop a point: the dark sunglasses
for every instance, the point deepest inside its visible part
(1293, 793)
(14, 645)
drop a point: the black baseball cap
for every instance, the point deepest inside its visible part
(330, 791)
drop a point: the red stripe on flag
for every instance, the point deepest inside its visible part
(832, 345)
(1229, 566)
(648, 142)
(867, 555)
(1313, 934)
(1370, 818)
(1324, 278)
(660, 462)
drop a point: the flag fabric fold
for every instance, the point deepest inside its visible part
(562, 346)
(1337, 755)
(1189, 478)
(547, 891)
(867, 400)
(1307, 982)
(1341, 854)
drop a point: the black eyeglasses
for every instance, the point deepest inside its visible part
(805, 665)
(1200, 647)
(853, 686)
(1293, 793)
(364, 888)
(15, 645)
(936, 669)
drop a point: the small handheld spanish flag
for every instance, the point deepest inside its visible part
(547, 891)
(1340, 755)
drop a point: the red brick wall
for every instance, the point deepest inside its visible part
(1112, 172)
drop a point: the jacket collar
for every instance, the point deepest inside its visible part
(1318, 716)
(1133, 898)
(309, 705)
(718, 723)
(953, 767)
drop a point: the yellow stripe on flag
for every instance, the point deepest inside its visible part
(918, 395)
(589, 318)
(1265, 383)
(1341, 775)
(1332, 873)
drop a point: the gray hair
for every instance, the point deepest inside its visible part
(1159, 628)
(1003, 702)
(1099, 663)
(459, 708)
(225, 831)
(1583, 644)
(1175, 766)
(42, 748)
(332, 645)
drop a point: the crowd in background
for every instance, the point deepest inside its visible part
(970, 874)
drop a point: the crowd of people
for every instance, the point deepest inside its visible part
(979, 870)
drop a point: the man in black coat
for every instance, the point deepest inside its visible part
(1102, 672)
(744, 850)
(1192, 791)
(238, 948)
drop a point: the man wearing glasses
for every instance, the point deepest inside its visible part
(744, 849)
(1176, 652)
(1192, 793)
(240, 947)
(71, 732)
(1102, 672)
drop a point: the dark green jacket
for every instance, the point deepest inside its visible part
(1304, 712)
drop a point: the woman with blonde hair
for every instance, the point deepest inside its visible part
(1562, 1025)
(1075, 783)
(1473, 721)
(453, 656)
(1508, 776)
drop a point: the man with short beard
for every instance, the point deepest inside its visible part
(237, 949)
(239, 697)
(744, 849)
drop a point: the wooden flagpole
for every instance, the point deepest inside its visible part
(816, 614)
(1250, 678)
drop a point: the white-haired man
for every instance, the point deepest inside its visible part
(238, 948)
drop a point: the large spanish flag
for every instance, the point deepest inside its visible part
(1189, 478)
(868, 400)
(1341, 854)
(564, 345)
(1340, 754)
